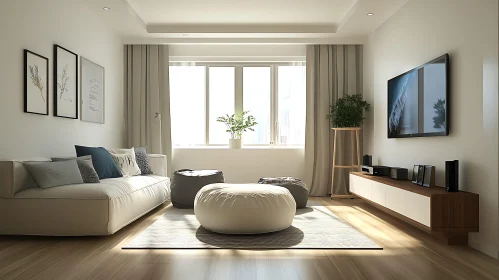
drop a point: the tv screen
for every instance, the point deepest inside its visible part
(418, 101)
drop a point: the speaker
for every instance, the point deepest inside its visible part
(367, 160)
(399, 173)
(452, 176)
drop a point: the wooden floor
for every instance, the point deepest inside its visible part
(408, 254)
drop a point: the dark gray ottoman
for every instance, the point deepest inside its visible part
(295, 186)
(186, 183)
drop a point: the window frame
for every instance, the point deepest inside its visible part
(238, 90)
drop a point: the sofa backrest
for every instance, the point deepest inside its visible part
(14, 177)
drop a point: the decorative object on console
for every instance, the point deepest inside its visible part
(420, 175)
(377, 170)
(52, 174)
(36, 83)
(399, 173)
(126, 162)
(236, 125)
(102, 161)
(452, 176)
(87, 170)
(65, 83)
(415, 171)
(92, 92)
(367, 160)
(429, 176)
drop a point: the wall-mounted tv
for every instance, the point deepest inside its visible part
(418, 101)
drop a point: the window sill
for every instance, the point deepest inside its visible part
(242, 148)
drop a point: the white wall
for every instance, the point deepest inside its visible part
(36, 25)
(423, 30)
(246, 165)
(238, 50)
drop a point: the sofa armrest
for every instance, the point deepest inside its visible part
(158, 164)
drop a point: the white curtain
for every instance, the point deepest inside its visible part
(147, 99)
(332, 72)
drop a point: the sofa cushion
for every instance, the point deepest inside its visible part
(53, 174)
(87, 170)
(103, 163)
(125, 160)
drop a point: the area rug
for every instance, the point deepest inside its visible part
(313, 227)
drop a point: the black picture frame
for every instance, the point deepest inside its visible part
(56, 87)
(421, 175)
(428, 173)
(45, 87)
(415, 171)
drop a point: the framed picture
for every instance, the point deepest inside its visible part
(415, 171)
(429, 176)
(420, 175)
(36, 83)
(65, 83)
(92, 92)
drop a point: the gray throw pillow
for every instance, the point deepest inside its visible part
(87, 170)
(143, 161)
(53, 174)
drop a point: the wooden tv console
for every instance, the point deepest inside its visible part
(448, 214)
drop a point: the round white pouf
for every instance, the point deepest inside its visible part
(244, 208)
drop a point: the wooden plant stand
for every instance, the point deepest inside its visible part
(355, 167)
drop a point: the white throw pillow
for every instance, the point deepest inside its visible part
(126, 162)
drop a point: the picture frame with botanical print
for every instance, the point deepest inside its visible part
(93, 87)
(415, 171)
(65, 83)
(36, 83)
(420, 175)
(429, 176)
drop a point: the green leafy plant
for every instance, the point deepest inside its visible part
(237, 124)
(348, 111)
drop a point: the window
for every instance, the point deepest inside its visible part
(222, 100)
(256, 99)
(187, 109)
(274, 93)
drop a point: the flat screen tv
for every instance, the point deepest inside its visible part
(418, 101)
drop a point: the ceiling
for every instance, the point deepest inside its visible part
(244, 21)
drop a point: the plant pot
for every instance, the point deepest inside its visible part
(235, 143)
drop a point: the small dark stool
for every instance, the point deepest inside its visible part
(186, 183)
(296, 187)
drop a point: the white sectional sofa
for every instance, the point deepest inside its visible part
(77, 210)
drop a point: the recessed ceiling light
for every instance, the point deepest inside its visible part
(370, 14)
(106, 9)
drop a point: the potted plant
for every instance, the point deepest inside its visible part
(237, 124)
(348, 111)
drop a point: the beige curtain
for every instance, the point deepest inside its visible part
(332, 72)
(147, 99)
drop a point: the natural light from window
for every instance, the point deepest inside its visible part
(274, 93)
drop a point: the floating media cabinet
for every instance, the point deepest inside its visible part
(448, 214)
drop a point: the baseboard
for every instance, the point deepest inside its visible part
(484, 248)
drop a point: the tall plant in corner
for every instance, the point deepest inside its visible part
(236, 125)
(348, 111)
